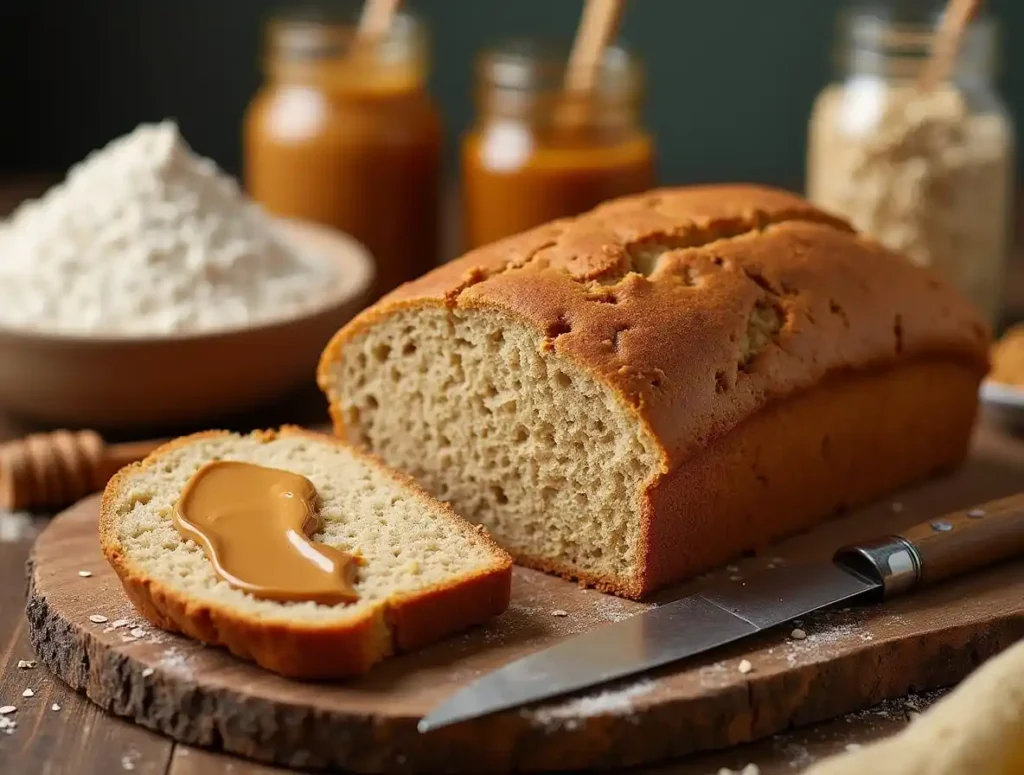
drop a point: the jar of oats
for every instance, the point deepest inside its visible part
(928, 173)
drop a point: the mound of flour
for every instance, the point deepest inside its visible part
(144, 237)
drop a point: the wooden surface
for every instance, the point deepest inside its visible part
(82, 739)
(849, 661)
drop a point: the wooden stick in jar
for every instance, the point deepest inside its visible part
(376, 19)
(598, 27)
(956, 18)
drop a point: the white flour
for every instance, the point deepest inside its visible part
(615, 702)
(145, 237)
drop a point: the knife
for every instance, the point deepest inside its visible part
(877, 569)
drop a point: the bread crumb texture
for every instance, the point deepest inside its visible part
(545, 384)
(510, 434)
(413, 546)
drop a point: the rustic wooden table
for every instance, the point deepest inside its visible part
(60, 732)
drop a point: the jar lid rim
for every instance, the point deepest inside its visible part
(531, 63)
(316, 31)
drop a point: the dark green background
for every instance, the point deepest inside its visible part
(730, 81)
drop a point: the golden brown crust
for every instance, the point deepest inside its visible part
(837, 446)
(310, 650)
(701, 307)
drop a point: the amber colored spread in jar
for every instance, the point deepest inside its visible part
(254, 525)
(348, 137)
(537, 154)
(555, 180)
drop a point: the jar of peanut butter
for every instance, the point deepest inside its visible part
(345, 135)
(928, 172)
(537, 152)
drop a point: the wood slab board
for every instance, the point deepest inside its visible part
(851, 659)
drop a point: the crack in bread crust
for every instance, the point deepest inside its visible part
(622, 252)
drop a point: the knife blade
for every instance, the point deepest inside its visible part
(876, 569)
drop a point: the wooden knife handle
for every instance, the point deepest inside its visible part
(941, 548)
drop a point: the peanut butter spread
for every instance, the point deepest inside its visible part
(254, 524)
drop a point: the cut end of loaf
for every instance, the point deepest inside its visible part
(479, 409)
(425, 572)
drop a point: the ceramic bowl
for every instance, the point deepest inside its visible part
(166, 381)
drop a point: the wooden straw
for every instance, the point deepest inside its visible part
(376, 18)
(946, 48)
(597, 28)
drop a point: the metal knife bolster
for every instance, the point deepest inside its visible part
(943, 548)
(891, 562)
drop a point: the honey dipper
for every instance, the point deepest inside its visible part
(51, 470)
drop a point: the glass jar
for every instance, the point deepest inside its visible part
(347, 136)
(927, 173)
(537, 153)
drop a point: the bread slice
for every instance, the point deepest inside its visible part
(427, 573)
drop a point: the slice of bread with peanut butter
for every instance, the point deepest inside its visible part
(419, 572)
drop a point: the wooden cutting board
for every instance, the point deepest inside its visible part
(851, 659)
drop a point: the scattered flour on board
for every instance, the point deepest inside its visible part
(796, 755)
(829, 631)
(569, 715)
(145, 237)
(130, 760)
(125, 621)
(174, 661)
(715, 675)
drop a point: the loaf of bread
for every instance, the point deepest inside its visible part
(638, 394)
(425, 573)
